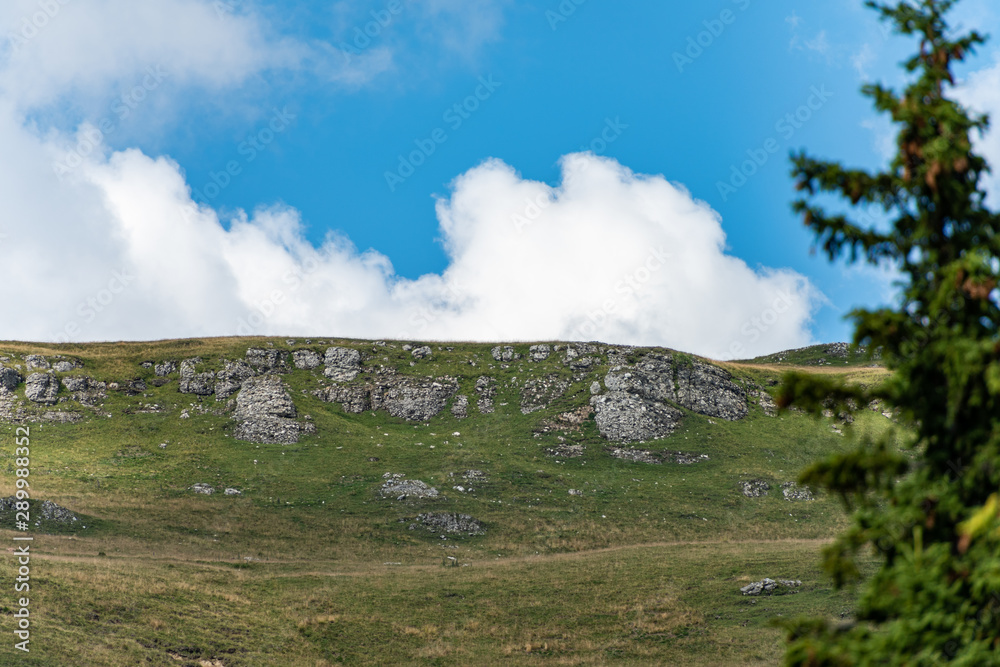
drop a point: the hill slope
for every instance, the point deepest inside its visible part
(424, 503)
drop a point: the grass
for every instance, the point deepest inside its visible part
(643, 568)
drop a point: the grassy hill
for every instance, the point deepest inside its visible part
(314, 564)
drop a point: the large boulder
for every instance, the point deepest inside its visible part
(342, 364)
(306, 359)
(503, 353)
(625, 417)
(266, 361)
(413, 398)
(352, 397)
(36, 362)
(42, 388)
(266, 413)
(709, 390)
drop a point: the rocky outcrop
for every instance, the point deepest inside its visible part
(267, 361)
(486, 389)
(504, 354)
(36, 362)
(538, 353)
(66, 366)
(413, 398)
(306, 359)
(193, 382)
(460, 408)
(754, 488)
(792, 491)
(85, 390)
(229, 380)
(45, 511)
(539, 393)
(266, 413)
(42, 388)
(648, 456)
(423, 352)
(709, 390)
(165, 369)
(352, 398)
(342, 364)
(769, 586)
(9, 379)
(625, 417)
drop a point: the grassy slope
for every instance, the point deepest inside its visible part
(643, 568)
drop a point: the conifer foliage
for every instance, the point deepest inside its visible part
(929, 513)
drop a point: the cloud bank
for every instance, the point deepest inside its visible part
(97, 244)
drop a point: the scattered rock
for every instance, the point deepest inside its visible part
(36, 362)
(754, 488)
(9, 379)
(792, 491)
(42, 388)
(233, 492)
(539, 352)
(575, 492)
(539, 393)
(448, 522)
(460, 408)
(397, 486)
(636, 455)
(624, 417)
(306, 359)
(767, 403)
(342, 364)
(769, 586)
(685, 458)
(202, 488)
(421, 352)
(61, 417)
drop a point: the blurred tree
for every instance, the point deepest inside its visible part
(930, 513)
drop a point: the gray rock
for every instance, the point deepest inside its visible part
(85, 390)
(266, 413)
(398, 487)
(486, 389)
(267, 361)
(448, 522)
(202, 488)
(413, 398)
(9, 379)
(193, 382)
(624, 417)
(421, 352)
(595, 388)
(769, 586)
(306, 359)
(61, 417)
(78, 383)
(636, 455)
(539, 352)
(165, 369)
(503, 353)
(353, 398)
(540, 393)
(460, 408)
(233, 492)
(767, 403)
(229, 380)
(792, 491)
(708, 390)
(36, 362)
(45, 510)
(652, 378)
(342, 364)
(42, 388)
(754, 488)
(64, 366)
(575, 492)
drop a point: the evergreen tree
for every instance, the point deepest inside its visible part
(929, 513)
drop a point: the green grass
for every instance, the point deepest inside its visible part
(643, 568)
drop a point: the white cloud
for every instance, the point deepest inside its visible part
(981, 93)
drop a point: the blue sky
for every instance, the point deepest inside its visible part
(315, 118)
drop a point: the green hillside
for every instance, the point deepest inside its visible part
(521, 535)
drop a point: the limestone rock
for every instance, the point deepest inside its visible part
(229, 380)
(754, 488)
(624, 417)
(306, 359)
(342, 364)
(421, 352)
(397, 486)
(202, 488)
(769, 586)
(267, 361)
(486, 389)
(42, 388)
(460, 408)
(193, 382)
(413, 398)
(503, 353)
(64, 366)
(9, 379)
(708, 390)
(233, 492)
(353, 398)
(792, 491)
(539, 352)
(266, 413)
(36, 362)
(165, 369)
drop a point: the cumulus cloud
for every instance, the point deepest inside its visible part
(112, 246)
(981, 92)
